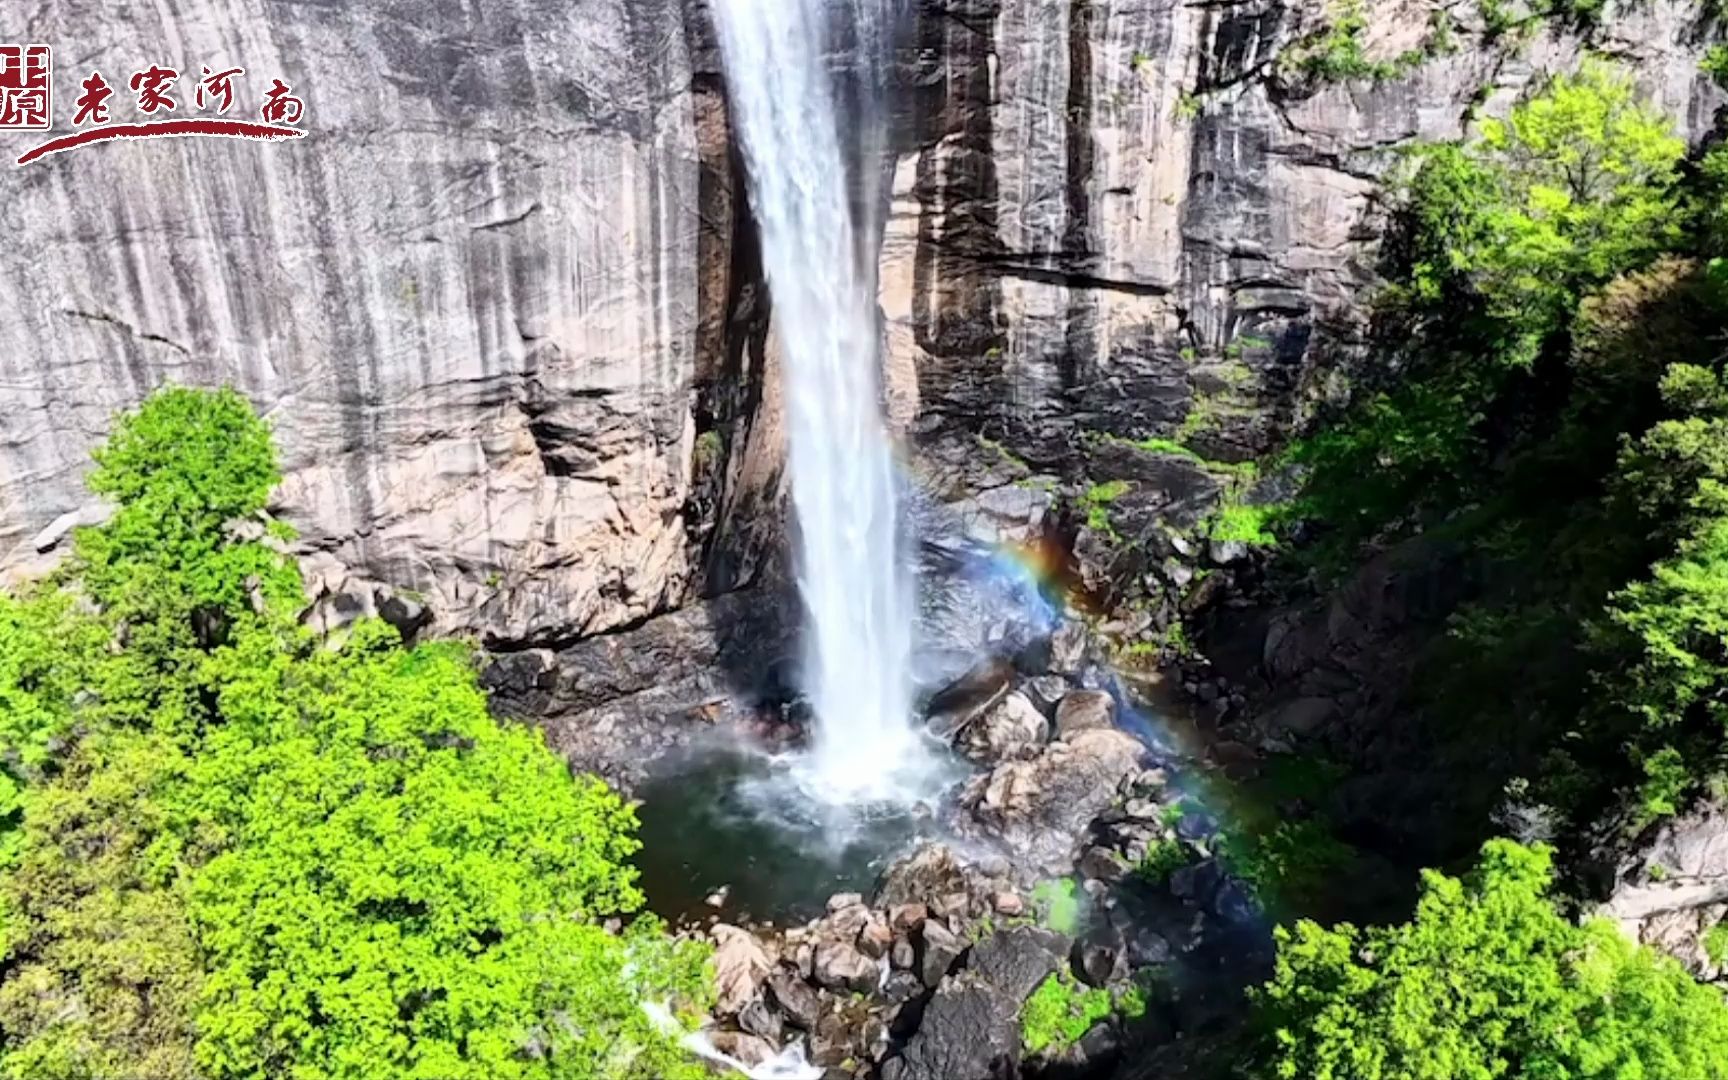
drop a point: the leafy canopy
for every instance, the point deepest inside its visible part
(1488, 980)
(238, 851)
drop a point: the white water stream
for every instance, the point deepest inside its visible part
(856, 589)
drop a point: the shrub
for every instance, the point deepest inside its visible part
(1487, 980)
(245, 852)
(1059, 1012)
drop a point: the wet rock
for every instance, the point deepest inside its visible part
(905, 918)
(966, 1031)
(930, 871)
(742, 1046)
(796, 998)
(1100, 1048)
(1083, 710)
(1068, 648)
(902, 986)
(1099, 963)
(1013, 727)
(874, 938)
(1198, 882)
(1045, 691)
(1104, 865)
(760, 1020)
(1041, 808)
(938, 948)
(969, 697)
(901, 955)
(970, 1027)
(832, 1041)
(840, 966)
(1233, 904)
(1016, 960)
(1145, 946)
(740, 966)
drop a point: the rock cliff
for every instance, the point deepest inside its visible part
(1123, 217)
(473, 301)
(503, 310)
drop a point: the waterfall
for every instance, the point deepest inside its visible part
(856, 591)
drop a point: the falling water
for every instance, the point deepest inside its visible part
(856, 592)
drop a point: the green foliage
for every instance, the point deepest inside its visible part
(1242, 522)
(183, 468)
(244, 852)
(1059, 1012)
(1488, 980)
(706, 453)
(1503, 237)
(1716, 944)
(1057, 901)
(1166, 446)
(1095, 504)
(1163, 857)
(1289, 859)
(1337, 51)
(1715, 64)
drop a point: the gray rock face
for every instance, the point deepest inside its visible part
(1676, 887)
(970, 1027)
(471, 301)
(1107, 216)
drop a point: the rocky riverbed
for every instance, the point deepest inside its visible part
(1075, 877)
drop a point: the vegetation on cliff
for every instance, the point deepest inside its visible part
(1552, 401)
(234, 849)
(1549, 403)
(1487, 980)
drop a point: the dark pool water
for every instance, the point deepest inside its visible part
(726, 818)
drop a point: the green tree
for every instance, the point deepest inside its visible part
(1501, 237)
(1488, 980)
(240, 851)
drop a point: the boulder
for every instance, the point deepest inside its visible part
(740, 966)
(1666, 893)
(904, 918)
(840, 966)
(760, 1020)
(930, 871)
(1045, 691)
(1010, 729)
(1043, 807)
(796, 998)
(901, 955)
(1068, 648)
(1016, 960)
(1084, 710)
(938, 948)
(874, 938)
(969, 697)
(970, 1028)
(742, 1047)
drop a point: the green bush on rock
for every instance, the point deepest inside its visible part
(1488, 980)
(236, 850)
(1059, 1012)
